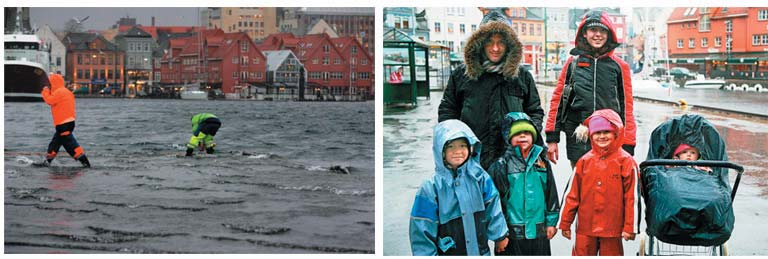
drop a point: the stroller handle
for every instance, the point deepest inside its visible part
(708, 163)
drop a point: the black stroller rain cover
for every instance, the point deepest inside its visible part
(686, 206)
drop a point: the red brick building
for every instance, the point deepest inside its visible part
(718, 40)
(93, 63)
(232, 62)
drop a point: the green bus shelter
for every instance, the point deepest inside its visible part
(402, 51)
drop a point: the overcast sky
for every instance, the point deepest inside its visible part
(104, 17)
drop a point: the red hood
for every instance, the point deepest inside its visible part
(581, 42)
(614, 119)
(57, 82)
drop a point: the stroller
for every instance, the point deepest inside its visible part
(688, 211)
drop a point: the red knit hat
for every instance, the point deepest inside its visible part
(682, 147)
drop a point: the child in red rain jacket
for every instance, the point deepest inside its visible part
(603, 190)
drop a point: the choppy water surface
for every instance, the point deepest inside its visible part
(287, 177)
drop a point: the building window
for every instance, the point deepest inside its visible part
(522, 28)
(245, 60)
(353, 50)
(364, 61)
(314, 61)
(718, 41)
(235, 60)
(326, 49)
(336, 61)
(58, 61)
(405, 24)
(728, 26)
(530, 29)
(244, 75)
(762, 15)
(326, 75)
(462, 30)
(728, 43)
(765, 39)
(755, 40)
(474, 27)
(79, 59)
(87, 74)
(437, 27)
(679, 44)
(691, 43)
(244, 46)
(364, 75)
(704, 42)
(326, 61)
(234, 75)
(259, 75)
(79, 73)
(538, 29)
(449, 26)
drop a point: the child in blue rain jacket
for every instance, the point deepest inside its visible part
(457, 210)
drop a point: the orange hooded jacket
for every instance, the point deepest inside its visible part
(604, 188)
(61, 100)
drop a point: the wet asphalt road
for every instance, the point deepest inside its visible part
(408, 162)
(288, 177)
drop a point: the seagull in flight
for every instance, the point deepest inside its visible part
(80, 20)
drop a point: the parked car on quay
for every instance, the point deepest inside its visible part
(681, 73)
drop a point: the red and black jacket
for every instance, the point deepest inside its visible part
(601, 81)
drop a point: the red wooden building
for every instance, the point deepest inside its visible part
(231, 63)
(717, 40)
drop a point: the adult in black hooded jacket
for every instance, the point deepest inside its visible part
(481, 92)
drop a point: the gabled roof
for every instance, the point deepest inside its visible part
(344, 43)
(275, 58)
(278, 41)
(726, 12)
(136, 31)
(683, 14)
(82, 40)
(311, 44)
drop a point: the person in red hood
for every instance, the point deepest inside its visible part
(62, 103)
(599, 80)
(603, 191)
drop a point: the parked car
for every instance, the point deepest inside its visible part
(111, 90)
(555, 67)
(681, 73)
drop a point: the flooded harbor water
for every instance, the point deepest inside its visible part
(287, 177)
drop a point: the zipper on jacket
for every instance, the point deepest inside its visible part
(594, 87)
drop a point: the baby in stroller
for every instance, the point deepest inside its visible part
(684, 206)
(689, 153)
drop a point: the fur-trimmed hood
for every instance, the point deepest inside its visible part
(474, 52)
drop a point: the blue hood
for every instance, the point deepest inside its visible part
(449, 130)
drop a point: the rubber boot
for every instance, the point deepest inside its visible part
(189, 151)
(84, 160)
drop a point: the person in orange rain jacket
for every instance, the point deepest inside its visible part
(603, 190)
(62, 103)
